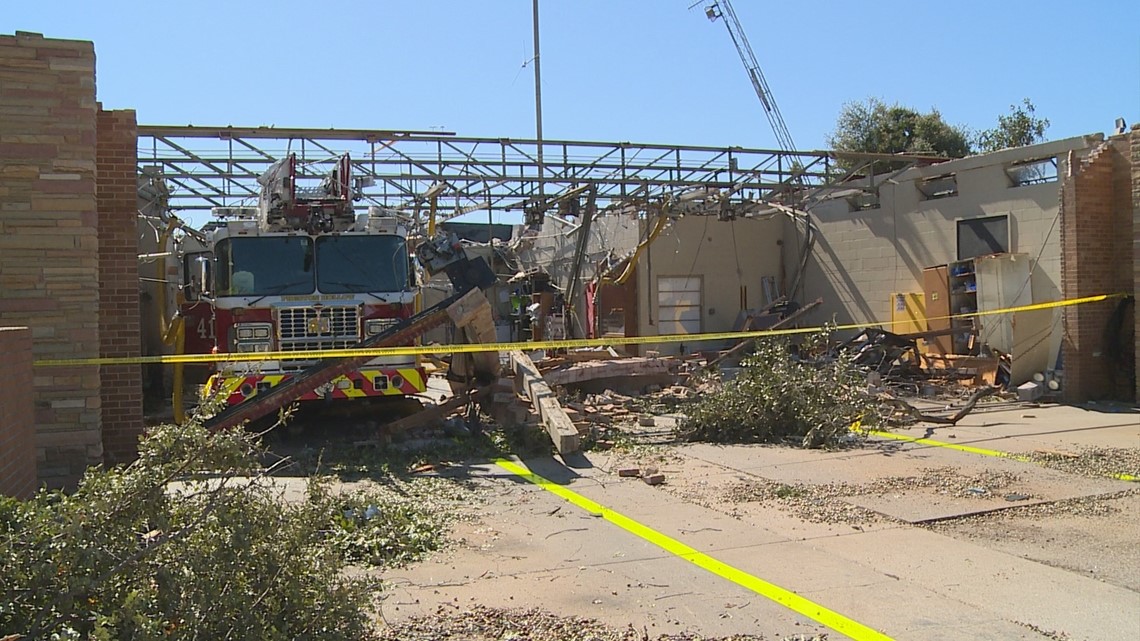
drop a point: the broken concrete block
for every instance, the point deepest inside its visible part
(1030, 391)
(654, 479)
(629, 471)
(646, 421)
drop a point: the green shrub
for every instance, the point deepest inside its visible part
(777, 397)
(128, 556)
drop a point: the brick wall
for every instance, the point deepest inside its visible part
(1096, 258)
(1135, 177)
(48, 245)
(17, 415)
(116, 188)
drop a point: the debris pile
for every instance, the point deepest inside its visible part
(895, 361)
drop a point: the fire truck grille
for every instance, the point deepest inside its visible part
(308, 328)
(312, 346)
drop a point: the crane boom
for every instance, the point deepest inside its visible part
(723, 9)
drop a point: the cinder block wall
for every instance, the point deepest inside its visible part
(1096, 258)
(116, 188)
(17, 416)
(49, 271)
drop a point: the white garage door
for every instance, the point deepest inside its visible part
(679, 304)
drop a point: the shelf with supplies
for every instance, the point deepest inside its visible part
(980, 284)
(963, 286)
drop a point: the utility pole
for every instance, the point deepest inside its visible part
(538, 99)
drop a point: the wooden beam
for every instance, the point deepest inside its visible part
(429, 415)
(561, 429)
(624, 367)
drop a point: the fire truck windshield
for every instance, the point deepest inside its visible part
(265, 266)
(348, 264)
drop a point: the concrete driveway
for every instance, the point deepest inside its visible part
(894, 539)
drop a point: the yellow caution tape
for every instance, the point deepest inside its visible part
(574, 343)
(970, 449)
(794, 602)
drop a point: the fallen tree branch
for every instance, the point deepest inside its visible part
(919, 415)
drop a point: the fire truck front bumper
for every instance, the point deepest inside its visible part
(364, 383)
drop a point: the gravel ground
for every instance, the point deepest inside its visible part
(1092, 461)
(490, 624)
(1052, 635)
(823, 503)
(1089, 506)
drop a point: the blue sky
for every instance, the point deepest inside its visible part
(645, 71)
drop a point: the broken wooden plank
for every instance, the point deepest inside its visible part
(561, 429)
(619, 368)
(429, 415)
(934, 333)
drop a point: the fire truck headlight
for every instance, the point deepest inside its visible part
(252, 337)
(378, 325)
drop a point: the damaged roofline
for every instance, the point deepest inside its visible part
(1012, 154)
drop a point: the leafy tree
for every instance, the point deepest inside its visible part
(873, 126)
(1018, 128)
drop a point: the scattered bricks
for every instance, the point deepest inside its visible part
(604, 419)
(629, 472)
(654, 479)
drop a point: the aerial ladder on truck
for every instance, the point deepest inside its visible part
(722, 9)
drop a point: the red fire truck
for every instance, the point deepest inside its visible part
(301, 272)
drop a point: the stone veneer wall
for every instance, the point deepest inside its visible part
(49, 264)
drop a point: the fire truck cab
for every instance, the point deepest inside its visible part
(301, 272)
